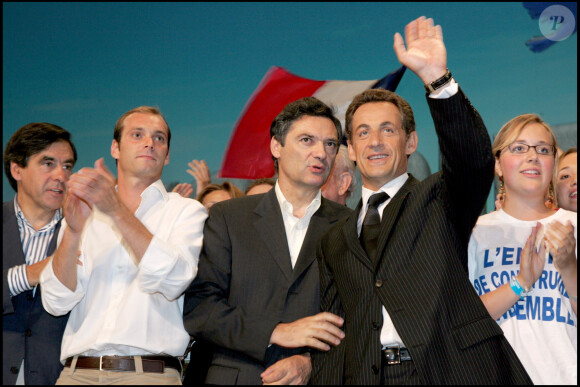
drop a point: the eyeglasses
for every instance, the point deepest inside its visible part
(520, 149)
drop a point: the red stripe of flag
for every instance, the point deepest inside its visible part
(248, 152)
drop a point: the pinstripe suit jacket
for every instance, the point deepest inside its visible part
(421, 277)
(245, 285)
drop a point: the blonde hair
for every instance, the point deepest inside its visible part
(566, 153)
(226, 186)
(511, 130)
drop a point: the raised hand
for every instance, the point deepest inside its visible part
(425, 53)
(200, 171)
(184, 189)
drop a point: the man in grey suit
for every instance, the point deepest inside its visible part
(411, 314)
(256, 294)
(38, 161)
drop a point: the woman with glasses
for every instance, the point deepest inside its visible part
(522, 258)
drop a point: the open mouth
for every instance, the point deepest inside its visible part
(531, 172)
(317, 168)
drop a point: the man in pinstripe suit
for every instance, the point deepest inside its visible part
(38, 160)
(411, 315)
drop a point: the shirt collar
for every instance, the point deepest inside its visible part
(391, 188)
(22, 221)
(286, 206)
(155, 190)
(154, 193)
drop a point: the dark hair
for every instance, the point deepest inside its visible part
(260, 181)
(307, 106)
(141, 109)
(380, 95)
(29, 140)
(230, 188)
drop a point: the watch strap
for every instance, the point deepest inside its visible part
(439, 83)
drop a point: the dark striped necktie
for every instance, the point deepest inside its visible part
(371, 224)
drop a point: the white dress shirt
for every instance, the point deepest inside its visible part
(123, 308)
(295, 227)
(389, 335)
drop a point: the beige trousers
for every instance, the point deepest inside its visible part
(73, 376)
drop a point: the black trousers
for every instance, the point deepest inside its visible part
(200, 360)
(397, 374)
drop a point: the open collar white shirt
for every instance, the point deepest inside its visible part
(296, 228)
(120, 307)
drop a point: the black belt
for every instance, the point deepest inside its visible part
(395, 355)
(154, 364)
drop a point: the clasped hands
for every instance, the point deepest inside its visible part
(558, 239)
(88, 188)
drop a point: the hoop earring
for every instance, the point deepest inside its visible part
(501, 190)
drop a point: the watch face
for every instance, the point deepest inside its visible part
(443, 80)
(439, 82)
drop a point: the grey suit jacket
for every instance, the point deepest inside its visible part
(245, 285)
(421, 277)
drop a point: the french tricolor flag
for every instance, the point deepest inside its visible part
(247, 155)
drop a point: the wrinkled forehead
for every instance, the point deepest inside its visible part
(377, 112)
(58, 150)
(315, 126)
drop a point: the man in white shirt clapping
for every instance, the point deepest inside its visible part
(128, 251)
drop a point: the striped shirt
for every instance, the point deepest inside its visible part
(35, 247)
